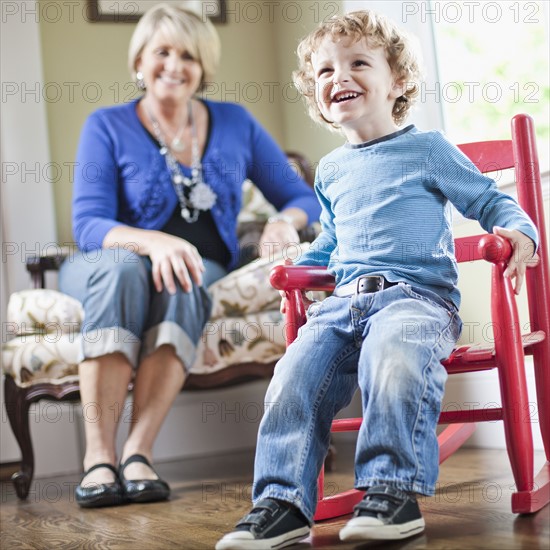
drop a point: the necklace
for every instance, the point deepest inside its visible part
(177, 144)
(193, 193)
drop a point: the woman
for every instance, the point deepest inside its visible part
(155, 208)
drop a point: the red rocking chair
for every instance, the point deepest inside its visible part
(510, 346)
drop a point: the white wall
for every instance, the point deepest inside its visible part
(28, 222)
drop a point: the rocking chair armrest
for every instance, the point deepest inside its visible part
(304, 277)
(495, 249)
(492, 248)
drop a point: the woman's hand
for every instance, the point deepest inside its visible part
(276, 236)
(171, 256)
(523, 255)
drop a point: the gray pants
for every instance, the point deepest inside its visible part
(124, 313)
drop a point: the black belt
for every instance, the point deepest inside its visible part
(363, 285)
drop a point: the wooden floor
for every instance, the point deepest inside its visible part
(470, 511)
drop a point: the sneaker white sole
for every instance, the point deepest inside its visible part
(371, 529)
(243, 540)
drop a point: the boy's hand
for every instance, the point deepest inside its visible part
(523, 255)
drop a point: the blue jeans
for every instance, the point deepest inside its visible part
(124, 313)
(389, 344)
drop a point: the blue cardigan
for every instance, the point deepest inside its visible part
(121, 178)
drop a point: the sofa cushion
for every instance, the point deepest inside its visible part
(53, 357)
(254, 338)
(245, 290)
(35, 358)
(43, 311)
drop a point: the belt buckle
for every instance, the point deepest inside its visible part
(363, 286)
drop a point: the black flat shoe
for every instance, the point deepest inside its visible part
(100, 494)
(142, 490)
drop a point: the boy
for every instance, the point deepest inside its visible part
(386, 236)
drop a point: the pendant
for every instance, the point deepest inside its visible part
(185, 214)
(202, 197)
(177, 145)
(188, 217)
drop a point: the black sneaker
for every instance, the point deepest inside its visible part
(385, 513)
(270, 524)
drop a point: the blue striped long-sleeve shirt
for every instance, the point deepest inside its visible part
(386, 210)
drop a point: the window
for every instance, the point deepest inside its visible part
(493, 63)
(485, 62)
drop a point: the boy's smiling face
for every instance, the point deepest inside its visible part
(355, 88)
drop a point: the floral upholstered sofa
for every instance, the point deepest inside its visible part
(242, 340)
(245, 327)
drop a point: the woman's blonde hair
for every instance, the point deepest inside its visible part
(378, 31)
(183, 28)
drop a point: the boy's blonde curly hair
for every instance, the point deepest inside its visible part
(379, 31)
